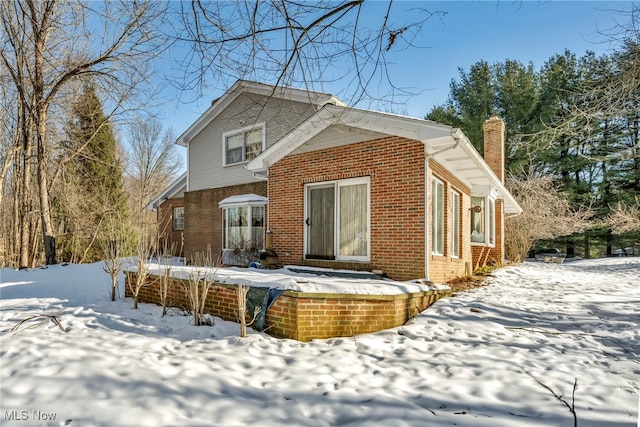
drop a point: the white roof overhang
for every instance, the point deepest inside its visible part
(337, 125)
(176, 187)
(460, 157)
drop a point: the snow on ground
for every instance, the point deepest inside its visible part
(490, 357)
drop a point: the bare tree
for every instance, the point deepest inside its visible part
(296, 43)
(47, 45)
(152, 162)
(165, 260)
(143, 252)
(624, 217)
(200, 281)
(242, 291)
(546, 214)
(113, 244)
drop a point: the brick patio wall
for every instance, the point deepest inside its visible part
(304, 316)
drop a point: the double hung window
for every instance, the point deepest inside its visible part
(244, 144)
(437, 217)
(178, 218)
(455, 224)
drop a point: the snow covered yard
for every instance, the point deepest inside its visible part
(490, 357)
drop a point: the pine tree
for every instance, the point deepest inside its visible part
(95, 179)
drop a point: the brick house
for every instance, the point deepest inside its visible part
(327, 185)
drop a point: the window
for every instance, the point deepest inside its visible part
(483, 220)
(178, 218)
(243, 222)
(337, 220)
(244, 227)
(437, 217)
(244, 144)
(455, 223)
(478, 221)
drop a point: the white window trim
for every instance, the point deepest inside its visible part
(239, 131)
(225, 222)
(489, 198)
(174, 228)
(453, 215)
(336, 186)
(441, 233)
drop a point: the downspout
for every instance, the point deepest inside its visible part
(265, 177)
(457, 136)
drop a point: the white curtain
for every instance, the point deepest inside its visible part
(237, 227)
(353, 220)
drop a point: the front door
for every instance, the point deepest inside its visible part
(320, 222)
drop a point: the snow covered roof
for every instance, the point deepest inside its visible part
(243, 200)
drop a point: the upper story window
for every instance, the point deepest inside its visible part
(178, 218)
(244, 144)
(483, 220)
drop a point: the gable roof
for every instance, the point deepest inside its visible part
(448, 145)
(244, 86)
(176, 187)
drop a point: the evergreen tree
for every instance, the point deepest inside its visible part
(96, 195)
(509, 90)
(575, 121)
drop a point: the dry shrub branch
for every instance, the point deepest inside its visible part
(546, 214)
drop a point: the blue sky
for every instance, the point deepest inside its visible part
(527, 31)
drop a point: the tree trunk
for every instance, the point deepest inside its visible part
(24, 194)
(587, 246)
(43, 192)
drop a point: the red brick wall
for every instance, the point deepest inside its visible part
(168, 237)
(203, 216)
(396, 169)
(493, 129)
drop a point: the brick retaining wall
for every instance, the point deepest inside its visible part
(305, 316)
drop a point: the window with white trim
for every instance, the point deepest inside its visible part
(455, 224)
(437, 216)
(337, 220)
(178, 218)
(243, 222)
(244, 144)
(483, 220)
(243, 227)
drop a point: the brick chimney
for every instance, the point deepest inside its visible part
(494, 145)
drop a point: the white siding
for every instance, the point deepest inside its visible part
(205, 149)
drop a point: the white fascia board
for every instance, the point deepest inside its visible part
(172, 189)
(385, 123)
(511, 206)
(209, 115)
(242, 86)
